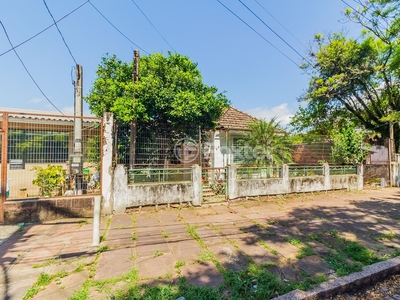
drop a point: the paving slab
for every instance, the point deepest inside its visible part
(155, 267)
(114, 263)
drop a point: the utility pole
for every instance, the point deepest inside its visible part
(77, 159)
(135, 78)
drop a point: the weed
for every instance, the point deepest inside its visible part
(43, 280)
(47, 263)
(102, 249)
(179, 264)
(388, 236)
(273, 251)
(157, 253)
(134, 237)
(206, 255)
(82, 222)
(165, 235)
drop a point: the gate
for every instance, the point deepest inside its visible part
(215, 184)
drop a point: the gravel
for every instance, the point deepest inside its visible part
(387, 290)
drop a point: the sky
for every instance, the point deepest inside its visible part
(255, 76)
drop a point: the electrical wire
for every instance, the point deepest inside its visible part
(153, 25)
(272, 45)
(40, 32)
(281, 38)
(65, 43)
(279, 22)
(105, 18)
(26, 69)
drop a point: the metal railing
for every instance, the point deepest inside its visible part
(158, 175)
(342, 170)
(259, 172)
(304, 171)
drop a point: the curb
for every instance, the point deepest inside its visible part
(368, 276)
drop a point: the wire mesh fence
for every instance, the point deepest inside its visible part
(144, 144)
(39, 152)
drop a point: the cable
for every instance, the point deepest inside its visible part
(65, 43)
(153, 25)
(116, 27)
(44, 29)
(282, 39)
(279, 22)
(26, 69)
(258, 33)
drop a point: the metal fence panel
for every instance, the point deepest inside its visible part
(304, 171)
(215, 184)
(259, 172)
(40, 148)
(142, 175)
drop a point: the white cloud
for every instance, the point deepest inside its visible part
(68, 110)
(282, 112)
(35, 100)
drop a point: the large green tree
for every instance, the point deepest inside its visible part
(355, 80)
(170, 91)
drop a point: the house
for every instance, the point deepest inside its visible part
(224, 143)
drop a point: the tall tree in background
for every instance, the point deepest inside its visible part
(170, 91)
(355, 80)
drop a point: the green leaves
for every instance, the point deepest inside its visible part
(267, 143)
(348, 145)
(170, 91)
(49, 178)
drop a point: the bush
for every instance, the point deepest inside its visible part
(48, 179)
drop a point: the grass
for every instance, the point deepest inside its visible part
(305, 249)
(268, 247)
(49, 262)
(43, 280)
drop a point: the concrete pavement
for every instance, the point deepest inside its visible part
(167, 243)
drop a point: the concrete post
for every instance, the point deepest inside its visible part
(327, 179)
(232, 183)
(106, 163)
(96, 220)
(197, 186)
(360, 177)
(285, 179)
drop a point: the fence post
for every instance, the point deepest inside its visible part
(360, 177)
(232, 183)
(327, 179)
(96, 220)
(197, 186)
(286, 187)
(106, 163)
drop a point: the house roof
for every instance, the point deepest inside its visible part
(235, 119)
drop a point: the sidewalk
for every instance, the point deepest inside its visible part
(195, 243)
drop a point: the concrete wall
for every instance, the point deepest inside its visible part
(135, 195)
(285, 185)
(38, 210)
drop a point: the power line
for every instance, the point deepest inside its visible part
(105, 18)
(20, 44)
(258, 33)
(279, 22)
(153, 25)
(65, 43)
(281, 38)
(26, 69)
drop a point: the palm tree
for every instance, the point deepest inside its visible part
(268, 143)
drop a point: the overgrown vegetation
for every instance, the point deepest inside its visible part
(49, 179)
